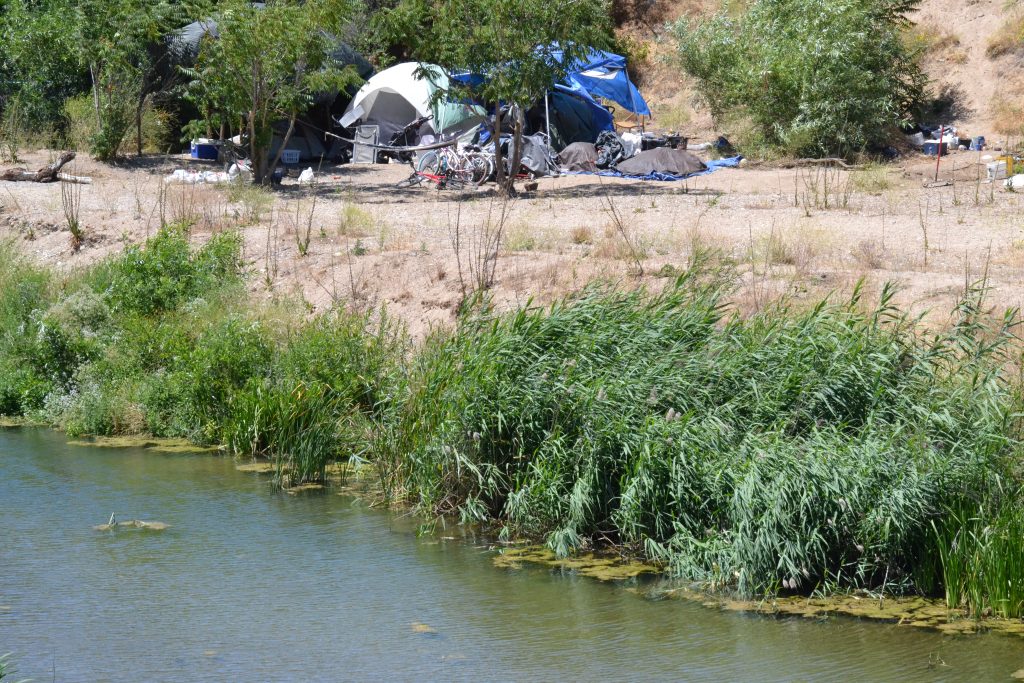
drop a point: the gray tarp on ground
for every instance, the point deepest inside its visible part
(579, 157)
(537, 156)
(663, 160)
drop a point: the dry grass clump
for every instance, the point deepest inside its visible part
(868, 254)
(931, 40)
(1008, 112)
(1009, 39)
(581, 234)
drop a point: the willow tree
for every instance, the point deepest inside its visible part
(267, 64)
(521, 49)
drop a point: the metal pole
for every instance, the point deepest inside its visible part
(547, 117)
(938, 153)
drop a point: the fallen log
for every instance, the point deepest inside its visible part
(47, 174)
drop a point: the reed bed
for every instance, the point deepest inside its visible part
(791, 451)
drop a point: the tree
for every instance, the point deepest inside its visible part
(509, 43)
(267, 65)
(40, 60)
(814, 77)
(114, 37)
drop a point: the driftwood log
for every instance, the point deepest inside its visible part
(47, 174)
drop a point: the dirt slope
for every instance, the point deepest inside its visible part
(980, 94)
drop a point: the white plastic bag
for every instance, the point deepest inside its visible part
(306, 177)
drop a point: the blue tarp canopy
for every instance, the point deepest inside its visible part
(602, 74)
(597, 74)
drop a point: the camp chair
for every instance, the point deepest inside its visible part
(629, 124)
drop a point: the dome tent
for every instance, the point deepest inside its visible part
(399, 95)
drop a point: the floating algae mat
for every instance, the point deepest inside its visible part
(132, 524)
(147, 442)
(259, 467)
(595, 566)
(918, 612)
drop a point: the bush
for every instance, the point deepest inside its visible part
(165, 273)
(814, 77)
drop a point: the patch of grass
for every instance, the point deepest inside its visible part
(872, 178)
(253, 201)
(1009, 38)
(355, 221)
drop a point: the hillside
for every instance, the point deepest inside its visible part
(980, 93)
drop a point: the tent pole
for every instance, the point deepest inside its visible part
(547, 117)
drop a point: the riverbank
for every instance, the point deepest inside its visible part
(826, 449)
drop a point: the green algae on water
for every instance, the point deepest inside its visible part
(915, 612)
(592, 565)
(149, 443)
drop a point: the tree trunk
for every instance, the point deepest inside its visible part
(517, 151)
(140, 105)
(499, 166)
(47, 174)
(284, 142)
(95, 97)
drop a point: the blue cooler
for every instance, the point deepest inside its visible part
(204, 149)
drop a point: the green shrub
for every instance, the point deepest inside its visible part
(165, 272)
(815, 77)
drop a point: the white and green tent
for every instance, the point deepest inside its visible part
(399, 95)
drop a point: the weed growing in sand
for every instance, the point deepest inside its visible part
(253, 201)
(355, 221)
(71, 202)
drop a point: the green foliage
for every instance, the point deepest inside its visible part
(284, 48)
(981, 548)
(40, 61)
(301, 430)
(791, 450)
(165, 272)
(814, 77)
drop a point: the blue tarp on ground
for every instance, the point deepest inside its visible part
(712, 166)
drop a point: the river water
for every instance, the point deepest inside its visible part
(252, 585)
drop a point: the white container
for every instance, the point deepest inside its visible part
(996, 170)
(290, 156)
(1016, 183)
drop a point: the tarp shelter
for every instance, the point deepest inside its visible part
(575, 114)
(308, 138)
(602, 74)
(403, 93)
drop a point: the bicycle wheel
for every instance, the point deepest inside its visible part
(481, 169)
(430, 163)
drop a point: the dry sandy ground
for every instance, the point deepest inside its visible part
(796, 232)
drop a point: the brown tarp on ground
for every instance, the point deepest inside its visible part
(661, 160)
(579, 156)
